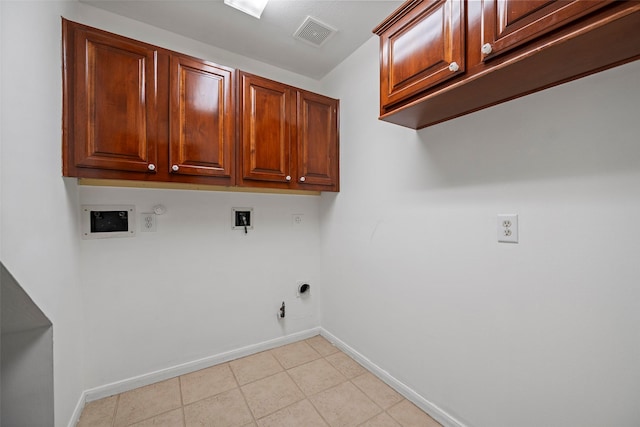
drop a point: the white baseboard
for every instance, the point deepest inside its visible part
(184, 368)
(142, 380)
(433, 410)
(77, 411)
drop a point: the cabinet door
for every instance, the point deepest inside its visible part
(317, 148)
(202, 118)
(268, 115)
(425, 47)
(115, 103)
(508, 24)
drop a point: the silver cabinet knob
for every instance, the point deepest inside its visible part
(151, 167)
(454, 66)
(288, 178)
(487, 48)
(303, 179)
(175, 168)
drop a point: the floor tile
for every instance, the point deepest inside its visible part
(409, 415)
(255, 367)
(383, 395)
(346, 365)
(382, 420)
(99, 413)
(322, 346)
(295, 354)
(301, 414)
(340, 393)
(271, 394)
(174, 418)
(226, 409)
(206, 383)
(344, 406)
(146, 402)
(316, 376)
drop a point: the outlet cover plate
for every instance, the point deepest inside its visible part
(508, 228)
(148, 222)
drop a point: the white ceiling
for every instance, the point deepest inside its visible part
(269, 39)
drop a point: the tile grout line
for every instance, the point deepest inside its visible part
(302, 395)
(286, 371)
(115, 410)
(244, 398)
(184, 418)
(160, 413)
(314, 406)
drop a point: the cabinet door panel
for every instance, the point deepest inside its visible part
(317, 139)
(417, 50)
(510, 23)
(115, 103)
(266, 129)
(202, 119)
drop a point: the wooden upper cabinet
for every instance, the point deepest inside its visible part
(317, 136)
(511, 47)
(288, 137)
(202, 119)
(421, 46)
(508, 24)
(133, 111)
(114, 102)
(268, 118)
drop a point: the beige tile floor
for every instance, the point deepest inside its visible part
(309, 383)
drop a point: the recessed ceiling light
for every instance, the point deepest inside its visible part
(250, 7)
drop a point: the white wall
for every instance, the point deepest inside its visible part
(195, 288)
(27, 378)
(192, 289)
(544, 332)
(39, 245)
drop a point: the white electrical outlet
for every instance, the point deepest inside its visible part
(508, 228)
(297, 219)
(147, 222)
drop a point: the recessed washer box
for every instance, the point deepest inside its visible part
(106, 221)
(242, 219)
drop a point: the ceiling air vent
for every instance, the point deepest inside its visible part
(314, 32)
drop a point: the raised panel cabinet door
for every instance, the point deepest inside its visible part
(508, 24)
(424, 48)
(317, 149)
(267, 120)
(202, 118)
(115, 123)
